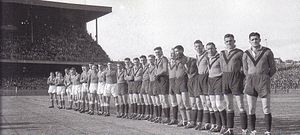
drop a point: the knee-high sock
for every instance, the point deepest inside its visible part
(252, 120)
(156, 111)
(223, 115)
(167, 115)
(206, 115)
(194, 115)
(268, 121)
(244, 120)
(230, 119)
(218, 118)
(127, 108)
(199, 115)
(159, 110)
(212, 118)
(175, 112)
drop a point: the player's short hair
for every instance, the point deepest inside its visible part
(254, 34)
(198, 42)
(136, 59)
(72, 68)
(179, 47)
(127, 59)
(143, 56)
(211, 43)
(157, 48)
(228, 35)
(151, 56)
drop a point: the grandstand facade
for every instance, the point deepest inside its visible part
(42, 36)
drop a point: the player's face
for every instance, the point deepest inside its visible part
(211, 50)
(254, 41)
(173, 56)
(127, 62)
(136, 62)
(66, 71)
(94, 67)
(109, 65)
(51, 74)
(229, 42)
(151, 60)
(143, 60)
(178, 53)
(119, 66)
(198, 47)
(83, 68)
(158, 53)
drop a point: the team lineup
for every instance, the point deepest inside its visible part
(201, 89)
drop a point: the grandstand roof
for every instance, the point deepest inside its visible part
(54, 10)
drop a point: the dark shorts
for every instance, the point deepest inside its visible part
(181, 84)
(130, 87)
(123, 88)
(203, 84)
(215, 86)
(172, 86)
(163, 84)
(153, 90)
(137, 85)
(193, 86)
(232, 83)
(258, 85)
(145, 87)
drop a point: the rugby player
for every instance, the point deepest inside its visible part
(92, 85)
(84, 89)
(181, 81)
(232, 83)
(100, 89)
(52, 88)
(202, 64)
(144, 97)
(193, 89)
(68, 86)
(76, 87)
(60, 89)
(215, 88)
(258, 66)
(172, 94)
(153, 92)
(123, 89)
(110, 89)
(162, 78)
(130, 81)
(137, 73)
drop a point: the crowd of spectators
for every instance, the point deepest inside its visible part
(286, 78)
(24, 83)
(65, 43)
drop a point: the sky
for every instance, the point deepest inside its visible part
(136, 27)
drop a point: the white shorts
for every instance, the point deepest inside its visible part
(69, 90)
(84, 87)
(111, 89)
(101, 87)
(60, 90)
(93, 88)
(52, 89)
(75, 89)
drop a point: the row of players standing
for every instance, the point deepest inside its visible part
(202, 89)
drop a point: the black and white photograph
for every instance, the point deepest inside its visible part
(150, 67)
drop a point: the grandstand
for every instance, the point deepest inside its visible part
(42, 36)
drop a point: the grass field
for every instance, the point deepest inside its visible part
(22, 115)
